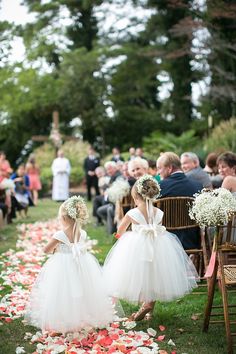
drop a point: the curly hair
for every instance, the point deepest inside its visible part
(147, 187)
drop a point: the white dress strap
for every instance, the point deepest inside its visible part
(135, 215)
(61, 236)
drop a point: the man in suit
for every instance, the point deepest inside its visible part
(91, 162)
(174, 183)
(116, 156)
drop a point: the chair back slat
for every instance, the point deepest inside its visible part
(176, 212)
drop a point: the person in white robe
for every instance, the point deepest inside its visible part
(61, 172)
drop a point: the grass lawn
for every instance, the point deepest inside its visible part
(182, 318)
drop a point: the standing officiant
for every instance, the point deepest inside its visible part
(61, 172)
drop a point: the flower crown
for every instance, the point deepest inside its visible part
(140, 184)
(76, 209)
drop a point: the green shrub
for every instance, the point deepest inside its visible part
(158, 142)
(222, 137)
(75, 151)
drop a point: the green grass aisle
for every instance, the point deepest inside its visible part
(177, 324)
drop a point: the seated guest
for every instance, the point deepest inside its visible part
(137, 167)
(174, 183)
(3, 203)
(22, 193)
(116, 156)
(100, 200)
(125, 174)
(152, 170)
(227, 168)
(191, 166)
(103, 179)
(106, 211)
(212, 169)
(7, 199)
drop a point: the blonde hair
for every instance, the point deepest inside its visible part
(170, 159)
(146, 187)
(75, 210)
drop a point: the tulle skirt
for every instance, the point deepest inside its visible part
(145, 268)
(69, 295)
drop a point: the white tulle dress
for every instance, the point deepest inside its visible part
(148, 263)
(69, 293)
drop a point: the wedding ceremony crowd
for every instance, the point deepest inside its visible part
(182, 175)
(175, 268)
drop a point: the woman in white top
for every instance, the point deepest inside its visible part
(227, 169)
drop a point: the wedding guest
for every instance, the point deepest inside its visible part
(211, 164)
(125, 174)
(106, 211)
(33, 171)
(5, 166)
(227, 168)
(3, 204)
(137, 167)
(139, 153)
(174, 183)
(7, 191)
(103, 179)
(22, 190)
(116, 156)
(152, 170)
(102, 200)
(132, 153)
(61, 172)
(91, 162)
(212, 169)
(191, 166)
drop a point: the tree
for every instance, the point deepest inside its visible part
(170, 30)
(221, 22)
(83, 92)
(27, 101)
(61, 25)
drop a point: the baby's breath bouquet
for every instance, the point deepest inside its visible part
(212, 207)
(118, 190)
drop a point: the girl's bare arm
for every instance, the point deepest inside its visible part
(126, 221)
(51, 246)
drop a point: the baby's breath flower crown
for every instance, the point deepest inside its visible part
(213, 207)
(145, 189)
(76, 209)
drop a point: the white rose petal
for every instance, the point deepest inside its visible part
(151, 332)
(170, 342)
(20, 350)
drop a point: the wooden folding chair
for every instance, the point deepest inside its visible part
(223, 272)
(123, 206)
(176, 217)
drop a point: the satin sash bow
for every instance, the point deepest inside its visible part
(150, 232)
(78, 250)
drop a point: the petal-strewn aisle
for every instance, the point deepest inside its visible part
(19, 269)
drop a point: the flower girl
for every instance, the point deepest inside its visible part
(69, 294)
(147, 263)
